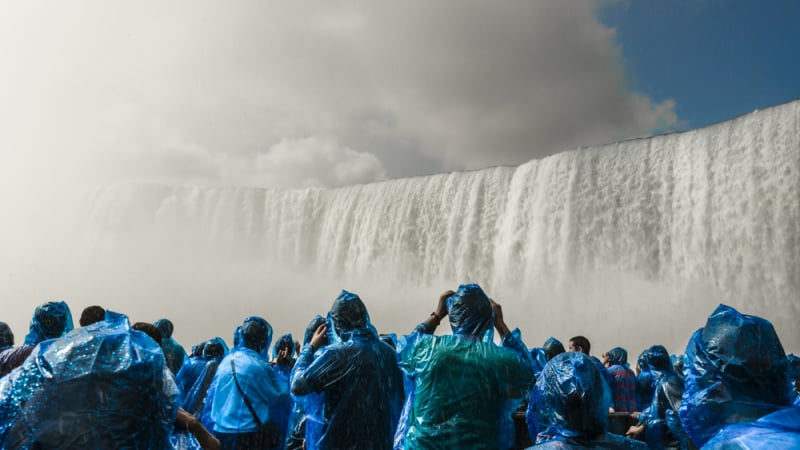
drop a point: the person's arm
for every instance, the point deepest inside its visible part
(428, 326)
(188, 422)
(499, 323)
(299, 381)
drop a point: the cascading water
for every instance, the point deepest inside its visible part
(630, 243)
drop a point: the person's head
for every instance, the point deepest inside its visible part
(315, 323)
(50, 320)
(256, 334)
(470, 312)
(735, 371)
(617, 356)
(658, 360)
(214, 349)
(148, 329)
(165, 327)
(347, 314)
(6, 335)
(285, 342)
(552, 347)
(580, 344)
(572, 395)
(197, 350)
(92, 314)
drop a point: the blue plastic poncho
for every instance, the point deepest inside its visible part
(297, 423)
(793, 378)
(645, 383)
(357, 376)
(6, 336)
(736, 373)
(226, 411)
(193, 399)
(284, 342)
(101, 386)
(190, 371)
(464, 386)
(552, 347)
(173, 351)
(50, 320)
(573, 399)
(662, 424)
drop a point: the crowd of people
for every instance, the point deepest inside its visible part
(112, 384)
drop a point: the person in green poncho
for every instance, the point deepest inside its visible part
(464, 387)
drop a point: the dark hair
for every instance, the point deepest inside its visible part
(580, 343)
(6, 335)
(256, 333)
(148, 329)
(92, 314)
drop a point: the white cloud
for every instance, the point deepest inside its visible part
(316, 162)
(424, 87)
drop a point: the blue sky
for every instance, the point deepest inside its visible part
(717, 59)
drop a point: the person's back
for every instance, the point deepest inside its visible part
(464, 387)
(174, 352)
(460, 391)
(358, 377)
(248, 402)
(622, 380)
(573, 400)
(102, 386)
(50, 320)
(736, 396)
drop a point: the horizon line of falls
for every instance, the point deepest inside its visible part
(641, 237)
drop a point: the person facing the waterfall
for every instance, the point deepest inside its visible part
(50, 320)
(572, 400)
(248, 403)
(658, 422)
(173, 352)
(355, 378)
(464, 386)
(736, 378)
(623, 380)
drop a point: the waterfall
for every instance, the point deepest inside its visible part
(633, 242)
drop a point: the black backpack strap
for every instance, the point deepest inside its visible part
(244, 397)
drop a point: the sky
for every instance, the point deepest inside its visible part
(309, 94)
(326, 94)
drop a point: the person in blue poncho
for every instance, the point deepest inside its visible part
(283, 355)
(645, 384)
(190, 370)
(173, 351)
(622, 380)
(659, 422)
(248, 402)
(464, 386)
(6, 337)
(572, 399)
(50, 320)
(101, 386)
(296, 435)
(193, 399)
(736, 396)
(357, 376)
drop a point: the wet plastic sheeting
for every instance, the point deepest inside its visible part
(102, 386)
(352, 389)
(779, 430)
(735, 371)
(464, 391)
(572, 400)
